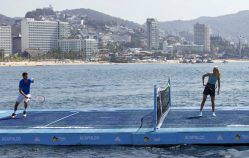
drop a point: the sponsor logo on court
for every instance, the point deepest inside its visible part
(62, 139)
(89, 138)
(55, 139)
(37, 139)
(157, 139)
(11, 139)
(220, 138)
(244, 136)
(117, 139)
(194, 137)
(237, 137)
(146, 139)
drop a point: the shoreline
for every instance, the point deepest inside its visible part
(65, 63)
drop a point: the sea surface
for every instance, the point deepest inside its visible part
(124, 86)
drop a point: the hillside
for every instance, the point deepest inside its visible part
(232, 25)
(6, 20)
(100, 17)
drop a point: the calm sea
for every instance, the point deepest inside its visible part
(124, 86)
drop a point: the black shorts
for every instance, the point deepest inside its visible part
(209, 90)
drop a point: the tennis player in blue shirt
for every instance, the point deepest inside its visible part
(210, 88)
(24, 94)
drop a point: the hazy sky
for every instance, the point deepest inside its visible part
(134, 10)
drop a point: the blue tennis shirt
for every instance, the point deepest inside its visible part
(212, 79)
(25, 86)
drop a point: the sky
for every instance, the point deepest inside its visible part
(133, 10)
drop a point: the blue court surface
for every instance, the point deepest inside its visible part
(76, 119)
(124, 127)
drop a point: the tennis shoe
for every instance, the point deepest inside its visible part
(214, 115)
(200, 115)
(24, 114)
(13, 115)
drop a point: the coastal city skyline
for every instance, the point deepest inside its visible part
(162, 10)
(89, 35)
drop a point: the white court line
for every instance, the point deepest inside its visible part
(237, 125)
(74, 127)
(61, 119)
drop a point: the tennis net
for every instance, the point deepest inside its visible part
(162, 105)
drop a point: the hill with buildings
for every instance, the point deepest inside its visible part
(229, 26)
(99, 17)
(91, 17)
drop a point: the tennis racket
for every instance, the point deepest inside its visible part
(38, 99)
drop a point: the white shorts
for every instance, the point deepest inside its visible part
(21, 98)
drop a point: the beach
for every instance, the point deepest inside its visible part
(71, 62)
(47, 63)
(78, 62)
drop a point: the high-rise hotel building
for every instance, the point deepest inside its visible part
(43, 35)
(90, 46)
(202, 35)
(71, 45)
(5, 40)
(152, 34)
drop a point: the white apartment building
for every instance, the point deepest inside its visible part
(64, 30)
(152, 34)
(202, 36)
(5, 40)
(167, 48)
(71, 45)
(43, 35)
(90, 47)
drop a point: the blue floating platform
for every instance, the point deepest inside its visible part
(124, 127)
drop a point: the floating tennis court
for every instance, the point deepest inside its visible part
(161, 125)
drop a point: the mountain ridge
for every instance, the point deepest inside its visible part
(99, 16)
(229, 26)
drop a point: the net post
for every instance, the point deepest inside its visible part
(169, 91)
(155, 108)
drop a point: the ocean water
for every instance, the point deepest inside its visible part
(124, 86)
